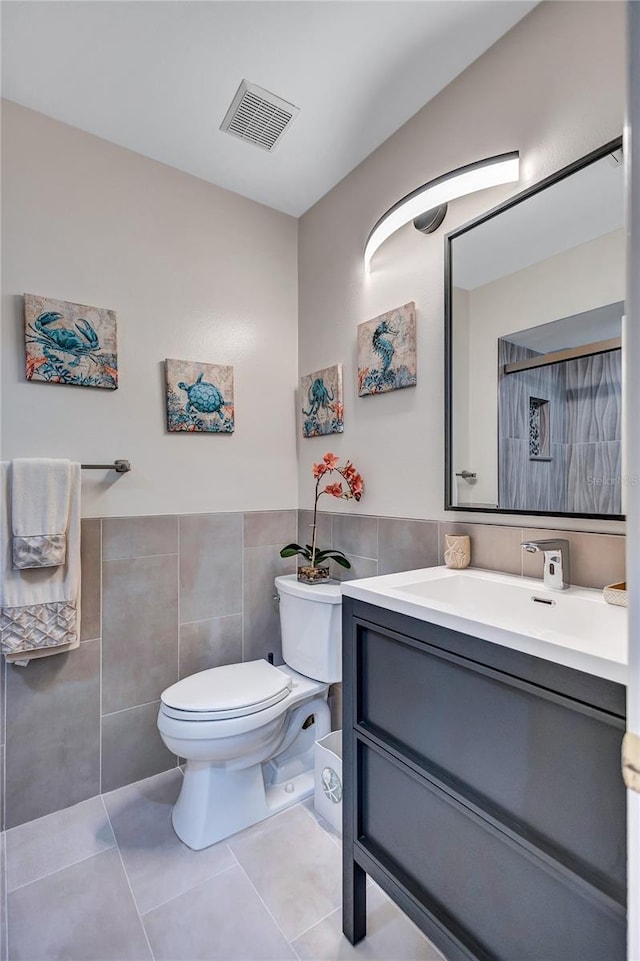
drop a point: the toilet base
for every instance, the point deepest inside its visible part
(216, 801)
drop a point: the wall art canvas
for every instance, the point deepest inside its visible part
(199, 397)
(387, 351)
(70, 343)
(321, 402)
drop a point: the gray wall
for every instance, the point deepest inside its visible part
(162, 597)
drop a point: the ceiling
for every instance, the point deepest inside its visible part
(158, 77)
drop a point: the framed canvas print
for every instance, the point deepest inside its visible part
(199, 397)
(70, 343)
(387, 351)
(321, 402)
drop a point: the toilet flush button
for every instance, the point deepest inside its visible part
(288, 787)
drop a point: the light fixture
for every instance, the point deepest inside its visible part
(427, 205)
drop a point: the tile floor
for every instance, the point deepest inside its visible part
(107, 880)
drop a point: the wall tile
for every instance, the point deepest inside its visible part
(360, 567)
(263, 528)
(324, 521)
(210, 643)
(595, 559)
(140, 632)
(406, 545)
(139, 536)
(53, 740)
(210, 566)
(261, 617)
(90, 562)
(355, 534)
(132, 748)
(493, 548)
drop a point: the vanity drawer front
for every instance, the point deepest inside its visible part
(474, 879)
(546, 766)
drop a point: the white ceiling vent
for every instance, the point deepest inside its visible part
(258, 116)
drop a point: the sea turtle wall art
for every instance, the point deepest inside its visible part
(70, 343)
(199, 397)
(321, 402)
(387, 351)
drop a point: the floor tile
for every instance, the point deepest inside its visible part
(40, 847)
(390, 937)
(294, 866)
(222, 919)
(159, 866)
(83, 913)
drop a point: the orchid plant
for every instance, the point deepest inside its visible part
(349, 487)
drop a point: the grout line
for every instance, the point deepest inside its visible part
(312, 926)
(242, 591)
(139, 557)
(101, 592)
(135, 903)
(132, 708)
(71, 864)
(179, 599)
(218, 617)
(162, 904)
(266, 907)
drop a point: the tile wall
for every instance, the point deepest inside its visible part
(166, 596)
(162, 597)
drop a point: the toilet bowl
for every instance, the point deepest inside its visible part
(247, 730)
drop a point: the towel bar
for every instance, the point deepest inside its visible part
(119, 466)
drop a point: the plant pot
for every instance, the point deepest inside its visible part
(313, 575)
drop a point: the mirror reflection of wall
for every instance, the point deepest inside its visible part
(546, 274)
(560, 415)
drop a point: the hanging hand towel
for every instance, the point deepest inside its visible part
(39, 607)
(40, 492)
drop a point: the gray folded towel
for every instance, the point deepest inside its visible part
(40, 503)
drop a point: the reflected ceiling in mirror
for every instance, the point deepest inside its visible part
(534, 304)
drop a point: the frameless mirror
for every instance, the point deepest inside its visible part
(534, 305)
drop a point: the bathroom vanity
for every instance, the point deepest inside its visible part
(482, 782)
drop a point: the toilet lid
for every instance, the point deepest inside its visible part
(230, 691)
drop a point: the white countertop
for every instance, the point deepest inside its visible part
(576, 627)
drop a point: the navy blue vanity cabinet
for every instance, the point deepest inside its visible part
(482, 792)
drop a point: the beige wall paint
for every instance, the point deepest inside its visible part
(540, 90)
(194, 272)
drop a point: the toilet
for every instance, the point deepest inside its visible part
(247, 730)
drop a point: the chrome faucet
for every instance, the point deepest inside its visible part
(556, 561)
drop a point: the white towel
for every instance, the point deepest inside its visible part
(40, 492)
(39, 607)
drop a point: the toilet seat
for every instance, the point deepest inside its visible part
(231, 691)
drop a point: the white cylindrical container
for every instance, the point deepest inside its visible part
(327, 763)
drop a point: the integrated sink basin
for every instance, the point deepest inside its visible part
(575, 627)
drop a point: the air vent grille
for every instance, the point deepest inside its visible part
(258, 116)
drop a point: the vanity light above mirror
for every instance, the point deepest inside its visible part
(427, 205)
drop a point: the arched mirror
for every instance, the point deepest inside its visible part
(534, 305)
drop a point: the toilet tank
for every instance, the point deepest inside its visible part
(311, 627)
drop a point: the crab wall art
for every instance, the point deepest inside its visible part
(321, 402)
(70, 343)
(387, 351)
(199, 397)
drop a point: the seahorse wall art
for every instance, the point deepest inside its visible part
(199, 397)
(70, 343)
(387, 351)
(321, 402)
